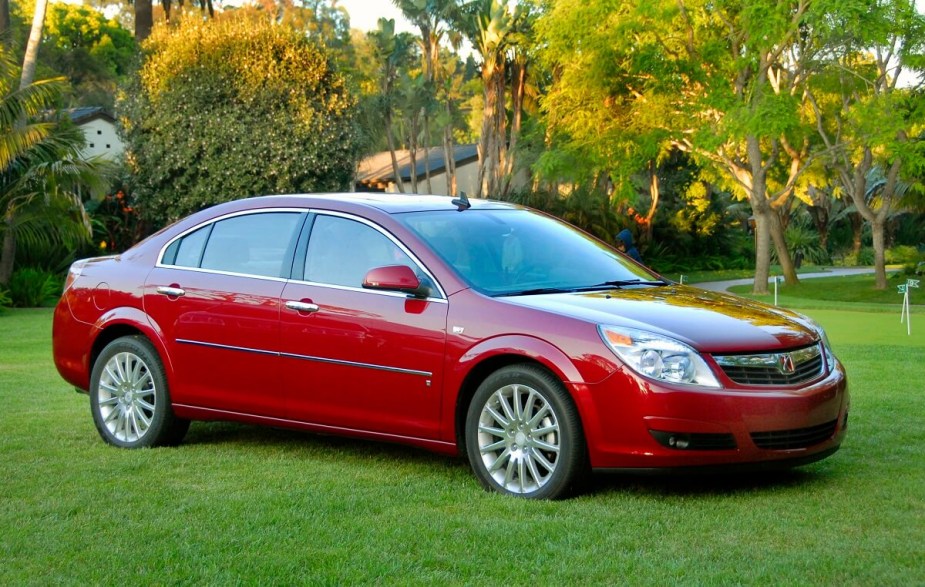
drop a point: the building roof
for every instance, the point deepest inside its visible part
(87, 113)
(375, 171)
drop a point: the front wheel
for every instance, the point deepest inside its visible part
(523, 434)
(129, 397)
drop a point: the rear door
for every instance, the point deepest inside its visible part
(355, 358)
(215, 298)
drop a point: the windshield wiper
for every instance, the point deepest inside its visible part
(598, 286)
(619, 283)
(539, 291)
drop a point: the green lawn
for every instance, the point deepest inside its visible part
(243, 505)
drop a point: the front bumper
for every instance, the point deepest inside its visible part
(632, 423)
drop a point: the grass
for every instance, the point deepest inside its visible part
(852, 291)
(244, 505)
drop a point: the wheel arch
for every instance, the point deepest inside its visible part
(495, 354)
(128, 322)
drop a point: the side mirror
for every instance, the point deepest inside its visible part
(395, 278)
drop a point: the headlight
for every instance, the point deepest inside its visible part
(824, 338)
(658, 357)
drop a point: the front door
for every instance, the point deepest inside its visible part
(355, 358)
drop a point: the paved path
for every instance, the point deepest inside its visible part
(834, 272)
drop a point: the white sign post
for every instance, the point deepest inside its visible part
(905, 315)
(776, 281)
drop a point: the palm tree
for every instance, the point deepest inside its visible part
(392, 52)
(431, 17)
(41, 171)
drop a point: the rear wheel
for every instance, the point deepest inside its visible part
(523, 434)
(129, 398)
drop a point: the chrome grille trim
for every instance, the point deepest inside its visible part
(783, 368)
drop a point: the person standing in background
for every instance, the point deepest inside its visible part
(625, 245)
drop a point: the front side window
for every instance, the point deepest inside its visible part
(341, 251)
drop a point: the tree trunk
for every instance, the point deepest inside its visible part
(762, 251)
(32, 47)
(391, 142)
(413, 148)
(4, 21)
(8, 251)
(144, 19)
(776, 230)
(857, 231)
(654, 194)
(430, 187)
(877, 232)
(449, 159)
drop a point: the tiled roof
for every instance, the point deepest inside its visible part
(86, 114)
(377, 169)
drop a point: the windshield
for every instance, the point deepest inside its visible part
(518, 251)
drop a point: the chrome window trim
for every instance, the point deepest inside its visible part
(442, 298)
(160, 255)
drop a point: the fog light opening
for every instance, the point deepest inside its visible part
(679, 441)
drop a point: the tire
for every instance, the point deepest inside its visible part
(129, 398)
(524, 436)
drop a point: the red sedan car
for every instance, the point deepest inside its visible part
(489, 330)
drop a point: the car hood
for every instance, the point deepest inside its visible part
(708, 321)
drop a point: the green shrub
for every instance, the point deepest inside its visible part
(33, 288)
(5, 300)
(234, 108)
(903, 255)
(862, 258)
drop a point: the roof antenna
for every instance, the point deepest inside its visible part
(462, 202)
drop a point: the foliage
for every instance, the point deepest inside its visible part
(31, 287)
(804, 239)
(115, 221)
(863, 258)
(5, 300)
(235, 108)
(43, 176)
(79, 43)
(586, 208)
(902, 254)
(93, 52)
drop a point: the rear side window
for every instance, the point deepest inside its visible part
(252, 244)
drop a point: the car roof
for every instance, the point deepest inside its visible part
(386, 202)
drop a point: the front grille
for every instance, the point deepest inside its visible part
(791, 439)
(784, 368)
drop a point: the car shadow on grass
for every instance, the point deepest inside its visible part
(258, 440)
(716, 483)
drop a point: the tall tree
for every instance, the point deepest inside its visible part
(868, 121)
(731, 73)
(431, 18)
(490, 27)
(393, 53)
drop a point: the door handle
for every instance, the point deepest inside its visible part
(302, 306)
(172, 292)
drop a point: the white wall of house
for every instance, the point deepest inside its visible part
(101, 139)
